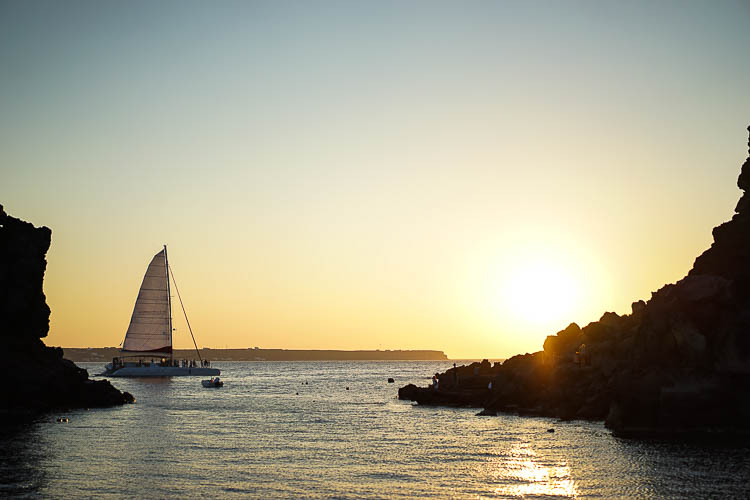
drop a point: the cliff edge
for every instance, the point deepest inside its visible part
(678, 365)
(35, 377)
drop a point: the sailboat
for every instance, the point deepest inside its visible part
(147, 348)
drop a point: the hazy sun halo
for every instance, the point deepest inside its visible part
(540, 294)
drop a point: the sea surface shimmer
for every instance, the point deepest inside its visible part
(292, 429)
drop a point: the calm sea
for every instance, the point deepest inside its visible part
(336, 430)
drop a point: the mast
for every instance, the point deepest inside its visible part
(169, 302)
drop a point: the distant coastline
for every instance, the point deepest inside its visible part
(93, 354)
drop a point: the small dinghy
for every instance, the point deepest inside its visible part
(214, 382)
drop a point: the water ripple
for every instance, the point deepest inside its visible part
(289, 430)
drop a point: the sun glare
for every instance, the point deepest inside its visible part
(540, 295)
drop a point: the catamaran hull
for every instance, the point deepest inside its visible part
(161, 371)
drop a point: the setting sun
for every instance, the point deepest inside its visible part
(367, 176)
(539, 285)
(540, 294)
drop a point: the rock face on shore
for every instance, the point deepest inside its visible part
(35, 377)
(678, 364)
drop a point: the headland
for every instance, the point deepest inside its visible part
(678, 365)
(36, 378)
(105, 354)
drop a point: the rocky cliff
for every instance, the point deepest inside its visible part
(36, 377)
(678, 364)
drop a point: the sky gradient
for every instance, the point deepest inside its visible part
(462, 176)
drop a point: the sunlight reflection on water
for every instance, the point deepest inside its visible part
(288, 430)
(533, 478)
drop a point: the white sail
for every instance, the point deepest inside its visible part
(150, 325)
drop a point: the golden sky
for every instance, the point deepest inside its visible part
(468, 177)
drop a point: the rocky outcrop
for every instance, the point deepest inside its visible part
(36, 377)
(678, 364)
(729, 255)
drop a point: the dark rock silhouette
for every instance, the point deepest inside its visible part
(678, 365)
(35, 377)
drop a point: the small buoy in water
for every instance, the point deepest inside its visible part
(296, 393)
(62, 419)
(550, 430)
(390, 381)
(347, 388)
